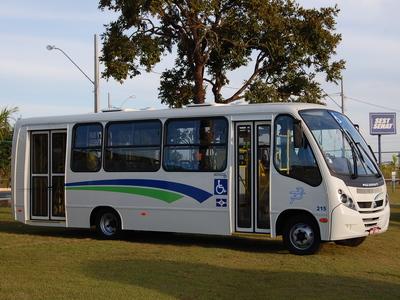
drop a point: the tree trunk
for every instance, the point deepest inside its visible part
(199, 91)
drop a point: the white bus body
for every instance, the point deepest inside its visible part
(217, 169)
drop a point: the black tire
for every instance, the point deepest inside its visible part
(301, 235)
(351, 242)
(108, 224)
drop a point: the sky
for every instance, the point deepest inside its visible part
(42, 83)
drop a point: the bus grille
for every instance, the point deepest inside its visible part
(368, 209)
(370, 223)
(370, 204)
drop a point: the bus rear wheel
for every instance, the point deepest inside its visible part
(351, 242)
(301, 236)
(108, 224)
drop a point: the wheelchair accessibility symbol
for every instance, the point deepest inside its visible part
(220, 186)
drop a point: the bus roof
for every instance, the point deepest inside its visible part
(189, 111)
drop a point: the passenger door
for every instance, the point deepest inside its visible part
(252, 176)
(48, 149)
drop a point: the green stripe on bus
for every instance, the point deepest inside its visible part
(166, 196)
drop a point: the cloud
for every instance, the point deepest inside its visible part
(42, 13)
(371, 56)
(24, 56)
(27, 110)
(25, 69)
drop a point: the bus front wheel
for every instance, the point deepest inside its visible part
(301, 235)
(108, 224)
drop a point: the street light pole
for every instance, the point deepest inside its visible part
(96, 77)
(96, 80)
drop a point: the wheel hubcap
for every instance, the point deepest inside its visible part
(108, 224)
(301, 236)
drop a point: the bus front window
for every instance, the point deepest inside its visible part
(344, 149)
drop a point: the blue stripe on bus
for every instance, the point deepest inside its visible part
(191, 191)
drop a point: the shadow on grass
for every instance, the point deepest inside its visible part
(185, 280)
(207, 241)
(248, 244)
(161, 238)
(19, 228)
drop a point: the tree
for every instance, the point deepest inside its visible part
(6, 133)
(395, 160)
(5, 127)
(287, 45)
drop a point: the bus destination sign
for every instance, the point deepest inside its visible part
(382, 123)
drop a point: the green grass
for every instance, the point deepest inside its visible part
(51, 263)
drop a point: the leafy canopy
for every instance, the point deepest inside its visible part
(286, 45)
(6, 133)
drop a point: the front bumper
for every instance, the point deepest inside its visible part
(347, 223)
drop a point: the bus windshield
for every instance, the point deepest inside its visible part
(343, 147)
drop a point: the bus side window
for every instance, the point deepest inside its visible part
(196, 145)
(86, 147)
(132, 146)
(296, 162)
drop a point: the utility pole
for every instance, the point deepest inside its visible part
(342, 94)
(96, 77)
(379, 150)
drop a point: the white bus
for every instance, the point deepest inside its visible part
(297, 170)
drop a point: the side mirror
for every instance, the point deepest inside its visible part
(357, 127)
(298, 134)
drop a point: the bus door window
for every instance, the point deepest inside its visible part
(244, 138)
(263, 154)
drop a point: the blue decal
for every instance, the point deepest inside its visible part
(297, 194)
(221, 202)
(191, 191)
(220, 186)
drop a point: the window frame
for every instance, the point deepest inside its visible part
(86, 148)
(105, 147)
(275, 135)
(224, 145)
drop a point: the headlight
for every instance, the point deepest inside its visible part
(386, 200)
(347, 201)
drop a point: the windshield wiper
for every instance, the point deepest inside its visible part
(376, 172)
(365, 164)
(370, 149)
(353, 152)
(355, 144)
